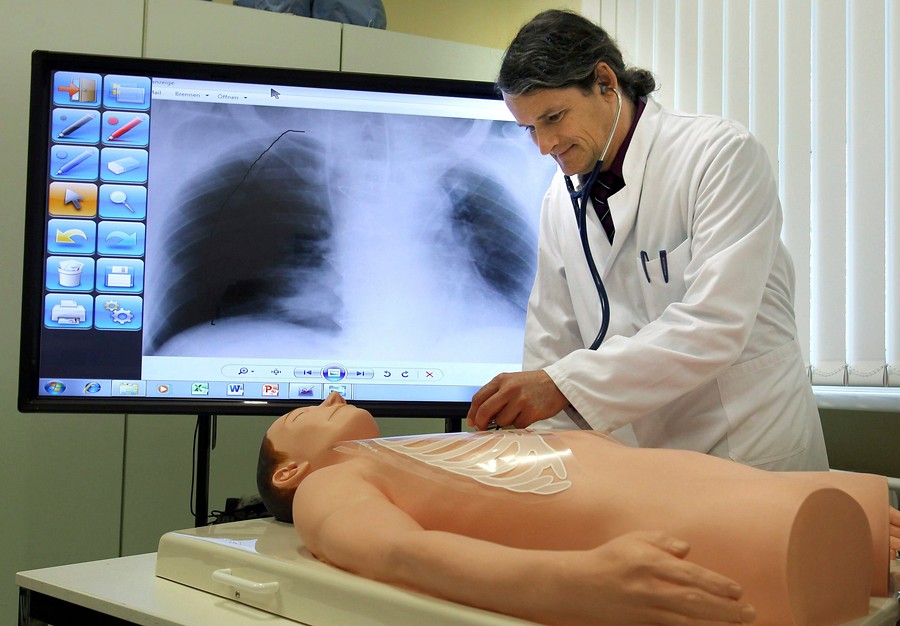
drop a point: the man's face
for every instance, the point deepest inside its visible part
(309, 431)
(568, 124)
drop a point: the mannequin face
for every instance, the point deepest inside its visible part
(570, 125)
(307, 433)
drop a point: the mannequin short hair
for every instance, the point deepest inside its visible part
(279, 502)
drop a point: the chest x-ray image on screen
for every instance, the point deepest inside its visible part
(298, 232)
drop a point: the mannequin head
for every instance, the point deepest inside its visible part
(302, 441)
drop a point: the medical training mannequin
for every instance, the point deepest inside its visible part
(587, 530)
(701, 351)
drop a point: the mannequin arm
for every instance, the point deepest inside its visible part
(894, 516)
(637, 578)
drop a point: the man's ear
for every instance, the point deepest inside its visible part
(605, 76)
(289, 475)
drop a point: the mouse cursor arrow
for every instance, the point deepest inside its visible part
(74, 199)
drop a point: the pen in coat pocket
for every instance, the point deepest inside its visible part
(663, 261)
(644, 258)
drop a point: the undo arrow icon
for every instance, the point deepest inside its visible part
(69, 235)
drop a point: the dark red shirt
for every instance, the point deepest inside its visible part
(611, 180)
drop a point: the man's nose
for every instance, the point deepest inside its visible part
(545, 142)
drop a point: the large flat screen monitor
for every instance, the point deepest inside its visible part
(231, 239)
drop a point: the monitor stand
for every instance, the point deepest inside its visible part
(204, 442)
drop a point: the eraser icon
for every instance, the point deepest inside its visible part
(125, 164)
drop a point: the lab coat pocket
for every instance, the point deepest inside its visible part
(661, 274)
(771, 426)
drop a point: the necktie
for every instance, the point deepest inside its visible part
(600, 194)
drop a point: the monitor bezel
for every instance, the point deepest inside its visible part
(44, 63)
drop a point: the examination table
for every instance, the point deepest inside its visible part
(263, 571)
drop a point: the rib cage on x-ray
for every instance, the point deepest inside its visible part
(245, 240)
(496, 237)
(370, 234)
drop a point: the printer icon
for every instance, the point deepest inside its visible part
(68, 312)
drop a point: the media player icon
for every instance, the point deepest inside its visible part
(334, 373)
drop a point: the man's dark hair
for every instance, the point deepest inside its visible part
(279, 502)
(559, 49)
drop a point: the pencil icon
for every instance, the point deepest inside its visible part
(65, 167)
(71, 128)
(124, 129)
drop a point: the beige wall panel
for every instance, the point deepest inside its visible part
(207, 31)
(61, 474)
(379, 52)
(489, 23)
(159, 472)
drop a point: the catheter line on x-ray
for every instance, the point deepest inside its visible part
(256, 160)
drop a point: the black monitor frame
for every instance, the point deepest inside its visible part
(43, 65)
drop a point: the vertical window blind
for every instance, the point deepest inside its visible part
(818, 83)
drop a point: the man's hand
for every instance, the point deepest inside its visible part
(516, 399)
(640, 578)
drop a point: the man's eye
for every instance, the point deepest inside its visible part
(554, 118)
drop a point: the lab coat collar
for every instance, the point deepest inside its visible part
(625, 203)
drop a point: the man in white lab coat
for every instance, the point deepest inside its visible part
(700, 352)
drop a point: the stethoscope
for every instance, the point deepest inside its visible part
(579, 203)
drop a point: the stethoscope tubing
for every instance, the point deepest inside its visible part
(579, 204)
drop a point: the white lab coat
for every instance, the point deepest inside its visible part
(707, 361)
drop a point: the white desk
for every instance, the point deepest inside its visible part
(126, 590)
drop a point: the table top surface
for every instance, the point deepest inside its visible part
(128, 588)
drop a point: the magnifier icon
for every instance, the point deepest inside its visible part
(242, 371)
(119, 197)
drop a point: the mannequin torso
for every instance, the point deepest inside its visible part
(761, 529)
